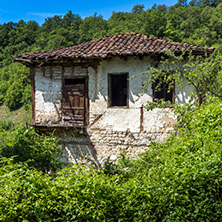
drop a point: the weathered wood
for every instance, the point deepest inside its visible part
(141, 118)
(23, 60)
(41, 64)
(86, 101)
(109, 90)
(43, 70)
(74, 101)
(32, 73)
(51, 71)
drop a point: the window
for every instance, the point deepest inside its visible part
(118, 89)
(68, 82)
(161, 91)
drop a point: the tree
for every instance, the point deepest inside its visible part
(162, 8)
(14, 81)
(92, 27)
(204, 73)
(155, 23)
(137, 9)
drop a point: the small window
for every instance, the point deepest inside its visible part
(161, 91)
(68, 82)
(118, 89)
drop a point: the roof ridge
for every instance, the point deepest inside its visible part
(130, 43)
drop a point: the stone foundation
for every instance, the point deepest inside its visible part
(118, 131)
(98, 146)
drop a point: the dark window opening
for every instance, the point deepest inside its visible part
(118, 89)
(69, 82)
(162, 91)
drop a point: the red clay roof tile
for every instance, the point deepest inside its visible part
(121, 44)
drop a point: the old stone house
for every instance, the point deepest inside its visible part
(87, 94)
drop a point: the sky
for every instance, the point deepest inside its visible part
(16, 10)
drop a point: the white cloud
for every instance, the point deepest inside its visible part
(44, 14)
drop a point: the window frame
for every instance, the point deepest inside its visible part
(110, 91)
(165, 92)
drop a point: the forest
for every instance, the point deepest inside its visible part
(177, 180)
(196, 22)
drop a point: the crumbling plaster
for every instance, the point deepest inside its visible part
(122, 119)
(112, 130)
(48, 96)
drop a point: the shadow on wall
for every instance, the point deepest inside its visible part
(183, 96)
(98, 84)
(77, 147)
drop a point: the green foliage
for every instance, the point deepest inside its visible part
(25, 145)
(178, 180)
(203, 73)
(157, 103)
(92, 27)
(181, 178)
(6, 125)
(26, 97)
(14, 85)
(198, 22)
(71, 196)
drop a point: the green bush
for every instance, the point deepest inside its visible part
(26, 97)
(6, 125)
(15, 85)
(179, 180)
(74, 195)
(26, 145)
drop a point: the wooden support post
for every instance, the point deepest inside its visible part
(141, 118)
(32, 72)
(51, 71)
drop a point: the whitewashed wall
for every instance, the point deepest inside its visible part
(48, 92)
(122, 119)
(111, 130)
(48, 95)
(98, 83)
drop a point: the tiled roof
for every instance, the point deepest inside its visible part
(112, 45)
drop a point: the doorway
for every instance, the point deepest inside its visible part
(75, 102)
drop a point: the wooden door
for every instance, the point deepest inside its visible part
(74, 102)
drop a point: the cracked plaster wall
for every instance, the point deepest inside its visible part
(112, 130)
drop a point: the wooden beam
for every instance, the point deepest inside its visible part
(51, 71)
(32, 72)
(23, 60)
(43, 70)
(141, 118)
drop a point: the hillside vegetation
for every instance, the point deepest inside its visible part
(198, 22)
(179, 180)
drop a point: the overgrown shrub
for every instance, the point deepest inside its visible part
(74, 195)
(15, 85)
(6, 125)
(26, 145)
(179, 180)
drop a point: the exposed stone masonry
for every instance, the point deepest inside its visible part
(100, 145)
